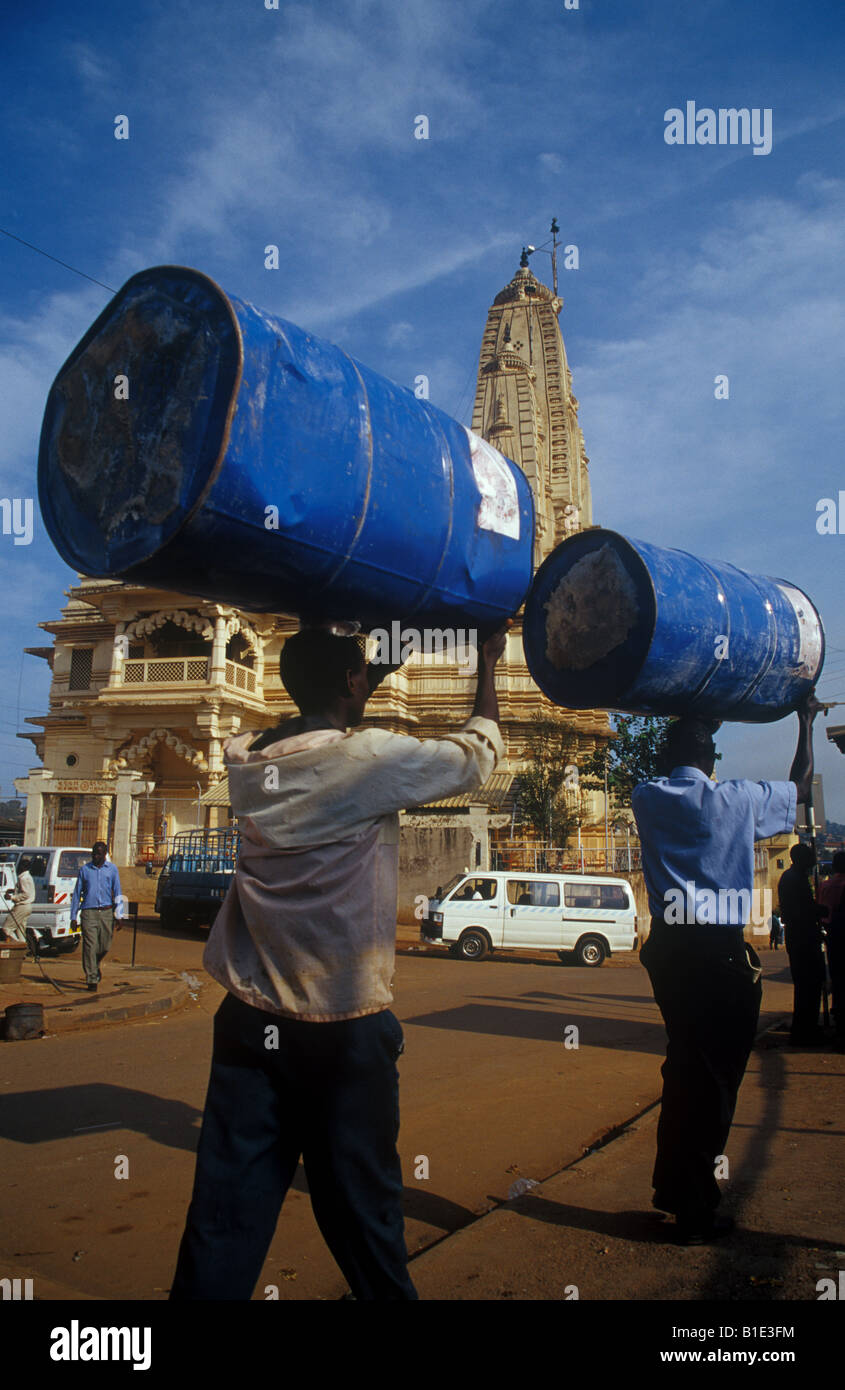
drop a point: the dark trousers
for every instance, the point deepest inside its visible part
(330, 1093)
(707, 986)
(836, 965)
(806, 964)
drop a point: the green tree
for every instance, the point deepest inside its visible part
(632, 756)
(551, 751)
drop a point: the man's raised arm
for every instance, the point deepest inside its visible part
(801, 772)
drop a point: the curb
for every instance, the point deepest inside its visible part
(66, 1018)
(620, 1130)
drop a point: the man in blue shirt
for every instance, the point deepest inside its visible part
(98, 890)
(698, 862)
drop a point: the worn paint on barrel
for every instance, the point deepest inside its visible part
(386, 507)
(617, 623)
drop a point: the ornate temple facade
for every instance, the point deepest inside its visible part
(148, 684)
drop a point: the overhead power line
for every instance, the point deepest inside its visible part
(57, 261)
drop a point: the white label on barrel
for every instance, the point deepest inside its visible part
(809, 631)
(499, 509)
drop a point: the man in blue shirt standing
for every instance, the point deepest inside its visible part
(698, 862)
(98, 890)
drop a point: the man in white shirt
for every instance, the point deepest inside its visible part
(697, 840)
(305, 1044)
(23, 897)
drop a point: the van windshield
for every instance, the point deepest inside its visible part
(453, 882)
(475, 890)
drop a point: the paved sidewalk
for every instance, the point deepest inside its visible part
(591, 1228)
(124, 993)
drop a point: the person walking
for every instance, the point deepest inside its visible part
(775, 932)
(803, 939)
(697, 840)
(97, 891)
(23, 897)
(305, 1043)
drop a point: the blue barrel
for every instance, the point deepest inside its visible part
(616, 623)
(257, 465)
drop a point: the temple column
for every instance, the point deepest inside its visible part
(217, 674)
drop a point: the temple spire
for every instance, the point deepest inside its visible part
(524, 403)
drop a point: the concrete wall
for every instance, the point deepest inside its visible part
(428, 856)
(138, 888)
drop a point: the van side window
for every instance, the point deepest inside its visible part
(613, 895)
(533, 894)
(610, 896)
(476, 889)
(581, 895)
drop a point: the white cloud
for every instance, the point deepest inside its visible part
(95, 70)
(398, 334)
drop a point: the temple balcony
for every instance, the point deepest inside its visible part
(191, 671)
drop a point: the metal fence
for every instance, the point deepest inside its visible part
(160, 820)
(533, 857)
(76, 820)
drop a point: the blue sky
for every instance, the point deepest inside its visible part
(295, 126)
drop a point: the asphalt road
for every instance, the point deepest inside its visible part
(492, 1090)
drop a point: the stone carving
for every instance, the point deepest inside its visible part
(142, 627)
(140, 751)
(236, 624)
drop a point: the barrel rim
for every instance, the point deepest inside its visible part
(45, 500)
(790, 584)
(585, 537)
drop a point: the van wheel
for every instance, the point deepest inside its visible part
(473, 945)
(590, 951)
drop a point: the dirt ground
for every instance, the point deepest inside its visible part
(493, 1090)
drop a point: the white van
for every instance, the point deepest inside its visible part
(480, 912)
(54, 870)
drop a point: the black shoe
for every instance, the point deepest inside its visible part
(662, 1202)
(811, 1039)
(698, 1230)
(93, 988)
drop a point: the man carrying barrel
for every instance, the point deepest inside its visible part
(697, 840)
(305, 1044)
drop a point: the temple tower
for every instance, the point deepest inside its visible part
(525, 406)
